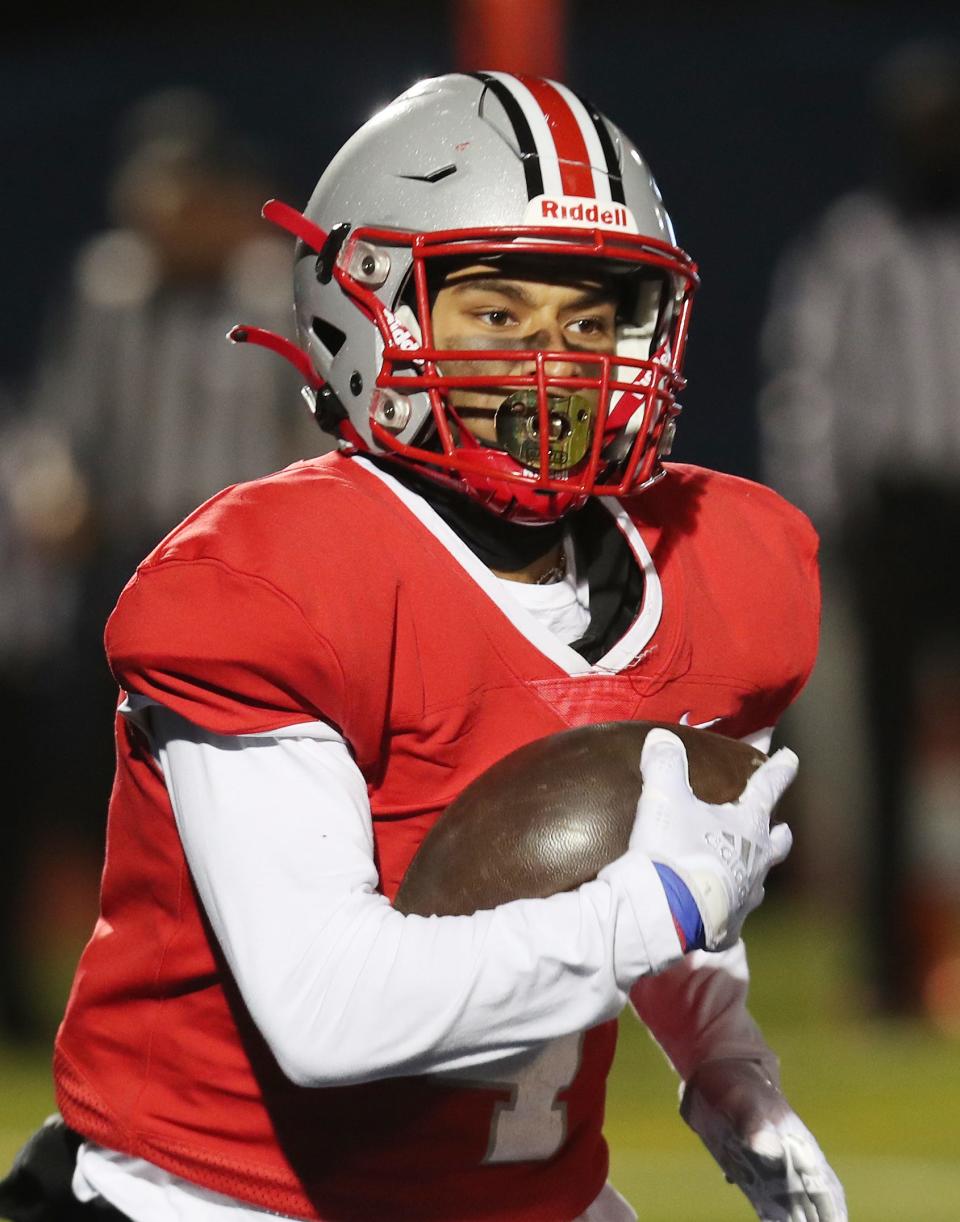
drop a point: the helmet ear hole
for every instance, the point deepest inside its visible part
(330, 336)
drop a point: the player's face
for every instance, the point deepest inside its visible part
(484, 308)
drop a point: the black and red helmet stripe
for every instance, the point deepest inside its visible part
(564, 144)
(569, 143)
(614, 173)
(529, 154)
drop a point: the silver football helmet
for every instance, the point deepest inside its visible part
(492, 169)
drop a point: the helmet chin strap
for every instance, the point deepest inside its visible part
(279, 344)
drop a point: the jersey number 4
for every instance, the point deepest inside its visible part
(532, 1123)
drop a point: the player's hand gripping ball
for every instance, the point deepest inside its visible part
(552, 814)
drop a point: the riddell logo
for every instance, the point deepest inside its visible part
(399, 333)
(574, 211)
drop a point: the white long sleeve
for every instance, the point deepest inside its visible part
(277, 831)
(696, 1010)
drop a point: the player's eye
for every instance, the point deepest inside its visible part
(495, 317)
(590, 327)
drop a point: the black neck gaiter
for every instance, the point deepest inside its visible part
(501, 545)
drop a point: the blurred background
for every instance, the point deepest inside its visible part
(810, 158)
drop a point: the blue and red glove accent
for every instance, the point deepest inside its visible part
(685, 913)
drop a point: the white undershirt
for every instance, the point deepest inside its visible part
(325, 963)
(563, 607)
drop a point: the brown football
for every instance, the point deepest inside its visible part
(550, 815)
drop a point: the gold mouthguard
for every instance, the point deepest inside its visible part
(518, 429)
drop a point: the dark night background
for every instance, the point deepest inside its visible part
(752, 117)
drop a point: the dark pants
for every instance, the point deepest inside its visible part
(38, 1186)
(904, 559)
(18, 718)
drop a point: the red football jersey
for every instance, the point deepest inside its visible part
(318, 593)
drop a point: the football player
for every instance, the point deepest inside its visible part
(492, 312)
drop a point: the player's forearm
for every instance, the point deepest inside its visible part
(696, 1010)
(343, 987)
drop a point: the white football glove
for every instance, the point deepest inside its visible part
(761, 1144)
(722, 853)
